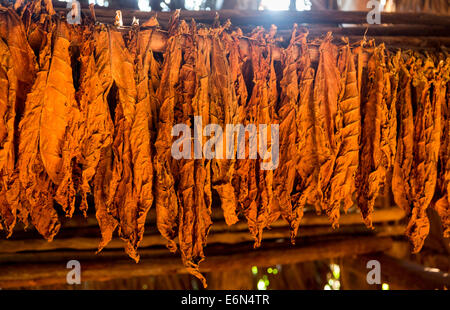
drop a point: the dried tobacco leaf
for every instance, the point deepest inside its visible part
(404, 156)
(143, 130)
(427, 134)
(129, 197)
(194, 187)
(96, 148)
(326, 91)
(165, 197)
(8, 91)
(224, 112)
(415, 170)
(37, 189)
(12, 32)
(348, 128)
(305, 189)
(295, 171)
(254, 184)
(23, 61)
(284, 175)
(378, 136)
(442, 206)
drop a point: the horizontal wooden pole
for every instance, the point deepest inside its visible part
(279, 18)
(310, 218)
(372, 31)
(32, 274)
(224, 237)
(311, 225)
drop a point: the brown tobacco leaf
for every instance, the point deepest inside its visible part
(183, 190)
(96, 148)
(378, 140)
(295, 170)
(415, 171)
(224, 111)
(143, 132)
(327, 116)
(348, 129)
(404, 156)
(60, 121)
(36, 6)
(12, 32)
(194, 193)
(236, 62)
(8, 91)
(427, 134)
(37, 189)
(200, 219)
(254, 184)
(149, 73)
(185, 170)
(129, 196)
(192, 175)
(22, 61)
(151, 22)
(36, 15)
(305, 189)
(284, 175)
(165, 197)
(442, 206)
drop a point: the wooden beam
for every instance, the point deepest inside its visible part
(223, 237)
(372, 31)
(283, 19)
(311, 225)
(310, 218)
(219, 258)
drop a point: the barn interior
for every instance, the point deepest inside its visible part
(359, 92)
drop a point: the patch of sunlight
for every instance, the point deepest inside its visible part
(431, 269)
(333, 283)
(335, 270)
(277, 5)
(144, 5)
(193, 5)
(303, 5)
(97, 2)
(262, 285)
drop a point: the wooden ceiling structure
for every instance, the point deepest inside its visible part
(397, 30)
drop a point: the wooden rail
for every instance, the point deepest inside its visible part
(283, 19)
(86, 237)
